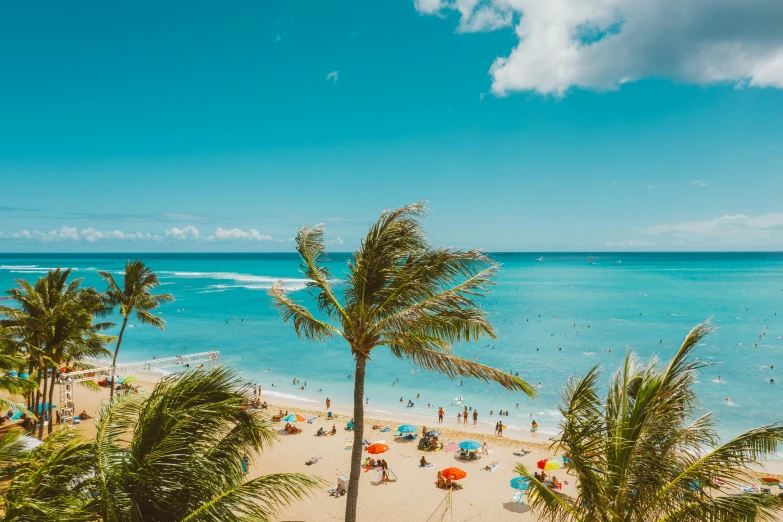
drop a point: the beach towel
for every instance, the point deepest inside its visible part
(384, 430)
(750, 489)
(311, 420)
(519, 497)
(428, 466)
(349, 444)
(377, 475)
(522, 453)
(491, 467)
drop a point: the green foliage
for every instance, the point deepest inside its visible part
(645, 454)
(172, 456)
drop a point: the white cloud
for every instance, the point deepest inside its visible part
(237, 234)
(333, 76)
(93, 235)
(189, 232)
(429, 6)
(630, 243)
(726, 230)
(700, 183)
(601, 44)
(336, 241)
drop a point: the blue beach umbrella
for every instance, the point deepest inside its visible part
(520, 483)
(470, 445)
(407, 428)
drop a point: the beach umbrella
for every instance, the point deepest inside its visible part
(433, 433)
(470, 445)
(130, 379)
(294, 417)
(407, 428)
(548, 464)
(377, 448)
(452, 446)
(454, 473)
(520, 483)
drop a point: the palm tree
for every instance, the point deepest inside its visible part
(402, 293)
(172, 456)
(134, 296)
(53, 319)
(648, 454)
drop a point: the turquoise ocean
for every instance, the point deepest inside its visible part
(645, 302)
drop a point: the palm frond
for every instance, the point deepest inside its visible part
(448, 364)
(257, 499)
(304, 323)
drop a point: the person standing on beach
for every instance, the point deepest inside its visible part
(328, 403)
(440, 415)
(475, 417)
(500, 429)
(465, 416)
(459, 418)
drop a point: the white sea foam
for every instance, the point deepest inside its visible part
(248, 281)
(281, 395)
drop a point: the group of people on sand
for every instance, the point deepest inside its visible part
(463, 417)
(323, 433)
(552, 483)
(291, 429)
(380, 466)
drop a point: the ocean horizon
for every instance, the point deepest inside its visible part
(555, 319)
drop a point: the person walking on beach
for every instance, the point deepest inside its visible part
(440, 415)
(328, 403)
(475, 417)
(500, 429)
(465, 416)
(459, 418)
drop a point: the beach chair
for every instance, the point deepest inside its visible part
(329, 415)
(311, 420)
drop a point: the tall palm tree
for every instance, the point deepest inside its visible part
(649, 454)
(172, 456)
(134, 297)
(402, 293)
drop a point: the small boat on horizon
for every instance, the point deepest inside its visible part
(590, 259)
(540, 259)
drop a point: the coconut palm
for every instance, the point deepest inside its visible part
(134, 297)
(648, 454)
(172, 456)
(53, 319)
(401, 293)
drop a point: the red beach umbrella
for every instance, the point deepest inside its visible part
(454, 473)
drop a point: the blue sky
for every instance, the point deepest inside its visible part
(191, 126)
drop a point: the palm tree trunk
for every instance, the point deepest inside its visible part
(43, 396)
(116, 352)
(358, 438)
(49, 409)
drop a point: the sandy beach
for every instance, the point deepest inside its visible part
(413, 495)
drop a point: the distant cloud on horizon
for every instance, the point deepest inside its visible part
(728, 230)
(601, 44)
(174, 234)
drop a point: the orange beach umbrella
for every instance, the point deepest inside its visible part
(454, 473)
(377, 448)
